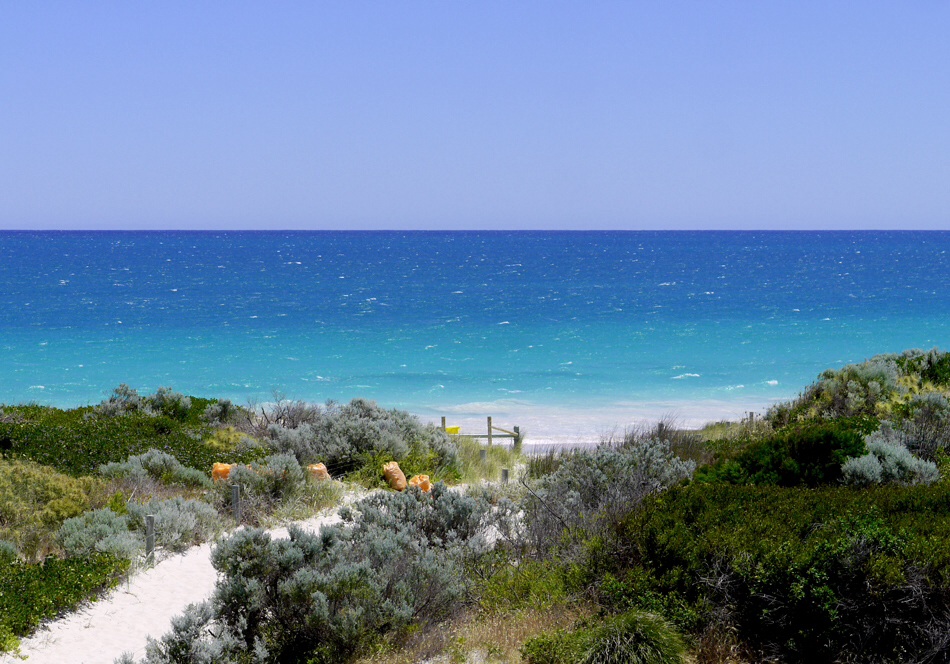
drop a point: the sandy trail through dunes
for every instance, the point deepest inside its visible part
(143, 606)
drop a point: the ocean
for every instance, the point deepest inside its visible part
(569, 335)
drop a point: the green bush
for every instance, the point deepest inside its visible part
(77, 445)
(809, 454)
(8, 552)
(831, 572)
(31, 593)
(879, 387)
(634, 637)
(34, 502)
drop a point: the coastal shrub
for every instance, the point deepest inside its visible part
(34, 502)
(396, 561)
(888, 461)
(808, 454)
(926, 424)
(345, 437)
(32, 593)
(78, 441)
(590, 492)
(179, 522)
(879, 387)
(635, 637)
(100, 531)
(166, 402)
(8, 552)
(188, 641)
(264, 485)
(231, 443)
(123, 400)
(157, 465)
(170, 403)
(829, 573)
(220, 412)
(932, 366)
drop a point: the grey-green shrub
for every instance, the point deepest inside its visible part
(926, 429)
(157, 465)
(888, 461)
(338, 435)
(592, 490)
(188, 641)
(219, 412)
(179, 522)
(8, 552)
(264, 485)
(124, 399)
(99, 531)
(395, 561)
(170, 403)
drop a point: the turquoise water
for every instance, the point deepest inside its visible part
(567, 334)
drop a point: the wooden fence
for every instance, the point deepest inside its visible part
(491, 435)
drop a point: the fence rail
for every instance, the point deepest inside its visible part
(491, 435)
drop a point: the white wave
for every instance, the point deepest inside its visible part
(771, 382)
(687, 375)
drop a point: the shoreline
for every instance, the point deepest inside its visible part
(548, 425)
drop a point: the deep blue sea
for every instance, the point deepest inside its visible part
(563, 333)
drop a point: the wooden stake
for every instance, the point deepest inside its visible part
(236, 501)
(150, 539)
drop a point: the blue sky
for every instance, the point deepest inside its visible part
(476, 115)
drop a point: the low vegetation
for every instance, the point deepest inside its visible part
(819, 532)
(76, 485)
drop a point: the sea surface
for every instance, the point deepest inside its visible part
(566, 334)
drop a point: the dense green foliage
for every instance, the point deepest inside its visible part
(34, 502)
(31, 593)
(78, 441)
(808, 454)
(830, 572)
(634, 637)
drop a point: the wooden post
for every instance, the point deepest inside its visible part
(517, 445)
(443, 423)
(504, 476)
(483, 455)
(236, 502)
(149, 539)
(489, 430)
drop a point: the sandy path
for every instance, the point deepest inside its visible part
(143, 606)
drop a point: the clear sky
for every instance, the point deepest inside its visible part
(475, 115)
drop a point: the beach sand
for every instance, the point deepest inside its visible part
(143, 606)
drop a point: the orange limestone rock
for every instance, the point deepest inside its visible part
(421, 481)
(220, 471)
(394, 476)
(318, 471)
